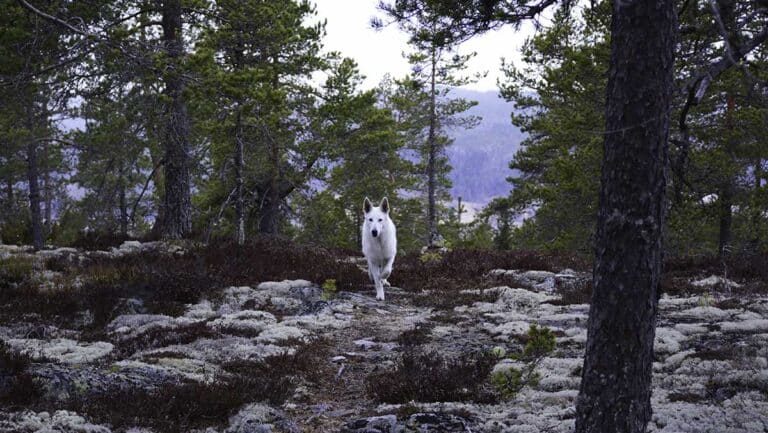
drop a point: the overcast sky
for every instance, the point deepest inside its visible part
(380, 52)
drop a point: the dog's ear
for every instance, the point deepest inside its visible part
(384, 205)
(367, 206)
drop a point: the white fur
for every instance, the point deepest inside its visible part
(380, 250)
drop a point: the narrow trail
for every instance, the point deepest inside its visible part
(367, 346)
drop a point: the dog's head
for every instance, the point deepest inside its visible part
(376, 217)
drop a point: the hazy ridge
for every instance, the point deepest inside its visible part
(480, 156)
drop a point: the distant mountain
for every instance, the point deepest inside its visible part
(480, 156)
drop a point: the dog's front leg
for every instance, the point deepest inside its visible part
(370, 272)
(387, 270)
(379, 290)
(375, 273)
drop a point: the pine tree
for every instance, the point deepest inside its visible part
(36, 53)
(431, 112)
(559, 100)
(273, 130)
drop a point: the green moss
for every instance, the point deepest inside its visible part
(430, 257)
(329, 288)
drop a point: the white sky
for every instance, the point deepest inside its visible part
(380, 52)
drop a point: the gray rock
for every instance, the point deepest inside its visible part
(426, 422)
(255, 418)
(60, 382)
(44, 422)
(61, 349)
(436, 423)
(374, 424)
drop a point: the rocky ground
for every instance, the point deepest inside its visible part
(303, 355)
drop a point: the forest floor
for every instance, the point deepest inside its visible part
(274, 337)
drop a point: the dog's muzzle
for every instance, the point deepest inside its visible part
(374, 233)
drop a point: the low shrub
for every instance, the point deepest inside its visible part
(429, 377)
(181, 407)
(15, 270)
(416, 336)
(16, 385)
(167, 282)
(540, 343)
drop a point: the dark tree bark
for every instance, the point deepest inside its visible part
(33, 179)
(33, 176)
(270, 213)
(269, 218)
(177, 209)
(273, 190)
(616, 380)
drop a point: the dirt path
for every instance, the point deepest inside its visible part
(366, 346)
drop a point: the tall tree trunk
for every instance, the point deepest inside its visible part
(757, 212)
(34, 195)
(47, 190)
(123, 204)
(33, 178)
(270, 214)
(725, 197)
(616, 380)
(177, 212)
(8, 207)
(726, 217)
(239, 205)
(432, 157)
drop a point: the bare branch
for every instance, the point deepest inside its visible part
(91, 36)
(215, 219)
(143, 190)
(53, 19)
(699, 84)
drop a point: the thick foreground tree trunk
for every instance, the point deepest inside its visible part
(616, 380)
(177, 215)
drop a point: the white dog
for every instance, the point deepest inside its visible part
(379, 244)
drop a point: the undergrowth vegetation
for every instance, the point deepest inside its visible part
(540, 343)
(444, 280)
(16, 384)
(431, 377)
(750, 271)
(174, 406)
(164, 282)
